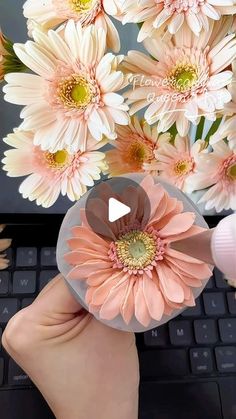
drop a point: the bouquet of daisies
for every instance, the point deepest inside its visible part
(78, 95)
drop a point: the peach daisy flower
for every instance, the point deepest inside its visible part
(134, 148)
(136, 272)
(4, 244)
(74, 91)
(172, 14)
(217, 171)
(49, 174)
(188, 80)
(176, 162)
(51, 13)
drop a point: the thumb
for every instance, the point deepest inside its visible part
(56, 299)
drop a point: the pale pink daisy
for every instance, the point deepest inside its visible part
(176, 162)
(74, 91)
(51, 174)
(136, 273)
(226, 131)
(134, 148)
(188, 80)
(217, 171)
(51, 13)
(172, 14)
(230, 108)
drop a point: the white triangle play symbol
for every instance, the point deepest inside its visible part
(117, 210)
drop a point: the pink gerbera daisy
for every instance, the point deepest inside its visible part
(172, 14)
(51, 13)
(135, 148)
(217, 171)
(136, 272)
(49, 174)
(74, 91)
(188, 80)
(176, 162)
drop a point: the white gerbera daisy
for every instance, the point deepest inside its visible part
(187, 80)
(73, 92)
(172, 14)
(50, 13)
(49, 174)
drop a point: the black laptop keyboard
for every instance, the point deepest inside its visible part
(199, 343)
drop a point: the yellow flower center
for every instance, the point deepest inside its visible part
(136, 250)
(232, 172)
(183, 167)
(75, 92)
(57, 160)
(183, 77)
(81, 5)
(138, 152)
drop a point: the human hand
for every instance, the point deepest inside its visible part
(83, 368)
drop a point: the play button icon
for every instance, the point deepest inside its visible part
(112, 203)
(117, 210)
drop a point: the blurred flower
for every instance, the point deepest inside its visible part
(136, 272)
(4, 244)
(172, 14)
(176, 162)
(8, 60)
(188, 81)
(50, 174)
(50, 13)
(74, 91)
(217, 171)
(134, 148)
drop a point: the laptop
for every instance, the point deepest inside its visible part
(188, 366)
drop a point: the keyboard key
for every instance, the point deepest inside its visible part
(205, 331)
(4, 282)
(226, 358)
(210, 283)
(214, 303)
(8, 308)
(227, 330)
(24, 282)
(201, 360)
(16, 376)
(45, 277)
(220, 281)
(231, 298)
(1, 371)
(180, 332)
(164, 363)
(156, 337)
(193, 311)
(48, 256)
(26, 302)
(26, 257)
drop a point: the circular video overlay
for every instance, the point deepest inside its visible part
(114, 203)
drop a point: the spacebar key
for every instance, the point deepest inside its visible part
(164, 363)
